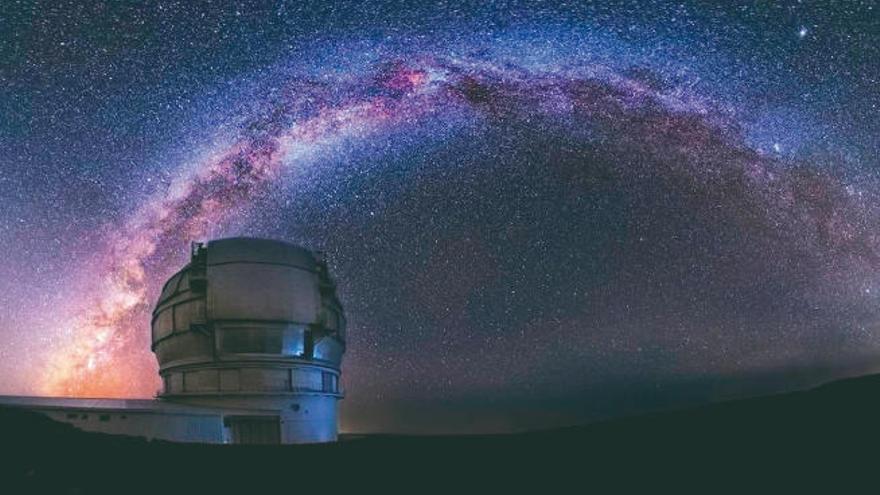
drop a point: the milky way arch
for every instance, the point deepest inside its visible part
(657, 130)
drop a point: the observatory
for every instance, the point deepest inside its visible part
(249, 337)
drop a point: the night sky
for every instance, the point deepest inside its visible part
(538, 213)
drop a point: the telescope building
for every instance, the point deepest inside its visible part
(249, 337)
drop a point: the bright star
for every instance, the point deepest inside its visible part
(803, 32)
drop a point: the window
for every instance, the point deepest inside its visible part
(250, 340)
(275, 340)
(72, 415)
(104, 417)
(329, 382)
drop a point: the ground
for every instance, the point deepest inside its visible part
(826, 435)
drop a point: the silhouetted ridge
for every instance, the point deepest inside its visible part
(826, 425)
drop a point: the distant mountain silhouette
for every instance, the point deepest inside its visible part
(790, 437)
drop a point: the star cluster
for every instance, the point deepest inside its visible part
(537, 214)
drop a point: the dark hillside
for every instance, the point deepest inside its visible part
(792, 438)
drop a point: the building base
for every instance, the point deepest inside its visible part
(305, 419)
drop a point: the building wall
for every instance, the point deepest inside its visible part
(207, 419)
(311, 420)
(303, 418)
(177, 427)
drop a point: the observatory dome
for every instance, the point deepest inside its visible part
(253, 323)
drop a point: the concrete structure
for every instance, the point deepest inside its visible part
(249, 337)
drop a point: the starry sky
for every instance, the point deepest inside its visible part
(538, 213)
